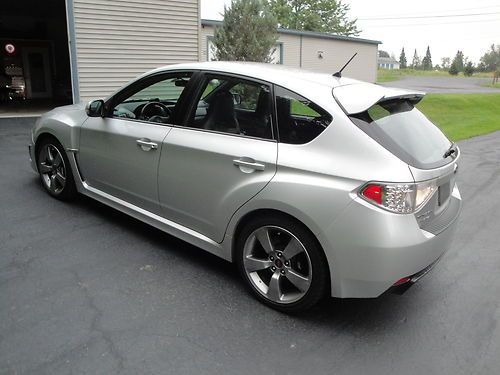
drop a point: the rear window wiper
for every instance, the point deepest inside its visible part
(450, 151)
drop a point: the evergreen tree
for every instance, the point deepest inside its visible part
(415, 64)
(427, 60)
(458, 60)
(248, 32)
(402, 59)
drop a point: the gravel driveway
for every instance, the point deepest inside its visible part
(450, 84)
(85, 289)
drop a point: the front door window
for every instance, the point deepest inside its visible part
(154, 103)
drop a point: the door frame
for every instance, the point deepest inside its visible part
(45, 51)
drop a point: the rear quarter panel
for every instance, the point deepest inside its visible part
(315, 182)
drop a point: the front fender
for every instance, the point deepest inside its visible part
(63, 123)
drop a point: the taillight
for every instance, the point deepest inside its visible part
(373, 192)
(399, 198)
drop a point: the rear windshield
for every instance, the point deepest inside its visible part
(406, 132)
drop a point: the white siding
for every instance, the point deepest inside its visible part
(117, 40)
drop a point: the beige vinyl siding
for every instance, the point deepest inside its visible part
(205, 33)
(117, 40)
(291, 50)
(336, 53)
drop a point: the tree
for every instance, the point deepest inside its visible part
(248, 32)
(402, 59)
(458, 60)
(490, 61)
(445, 62)
(330, 16)
(382, 53)
(415, 64)
(427, 60)
(453, 69)
(468, 69)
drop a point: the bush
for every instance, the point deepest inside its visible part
(453, 69)
(469, 69)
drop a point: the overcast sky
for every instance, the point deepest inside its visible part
(445, 25)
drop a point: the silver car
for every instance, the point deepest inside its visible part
(312, 184)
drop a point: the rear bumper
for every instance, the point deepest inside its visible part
(369, 250)
(400, 288)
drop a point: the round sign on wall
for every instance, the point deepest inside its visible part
(10, 48)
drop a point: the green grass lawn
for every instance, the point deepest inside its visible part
(387, 75)
(462, 116)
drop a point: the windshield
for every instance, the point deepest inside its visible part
(406, 132)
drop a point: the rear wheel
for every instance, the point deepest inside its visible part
(54, 169)
(282, 263)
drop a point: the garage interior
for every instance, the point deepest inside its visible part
(35, 72)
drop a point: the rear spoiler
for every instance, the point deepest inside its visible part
(358, 97)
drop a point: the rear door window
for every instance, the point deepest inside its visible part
(299, 119)
(234, 105)
(403, 130)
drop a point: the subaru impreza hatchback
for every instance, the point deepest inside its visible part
(312, 184)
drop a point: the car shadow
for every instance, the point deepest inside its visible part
(332, 313)
(156, 237)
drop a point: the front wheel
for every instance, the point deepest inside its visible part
(282, 263)
(54, 169)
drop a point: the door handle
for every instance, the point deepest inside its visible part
(249, 163)
(146, 144)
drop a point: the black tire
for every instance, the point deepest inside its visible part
(319, 273)
(56, 175)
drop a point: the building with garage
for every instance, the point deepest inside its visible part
(322, 52)
(64, 51)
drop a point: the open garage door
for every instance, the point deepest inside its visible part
(35, 72)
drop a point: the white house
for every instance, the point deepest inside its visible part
(388, 63)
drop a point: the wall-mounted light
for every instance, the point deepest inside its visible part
(321, 54)
(10, 48)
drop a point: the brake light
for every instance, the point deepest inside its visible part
(399, 198)
(373, 192)
(404, 280)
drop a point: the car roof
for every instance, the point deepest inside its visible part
(274, 73)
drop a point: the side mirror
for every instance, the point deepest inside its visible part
(95, 108)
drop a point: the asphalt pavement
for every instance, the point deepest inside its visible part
(443, 85)
(85, 289)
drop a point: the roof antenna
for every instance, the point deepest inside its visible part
(339, 73)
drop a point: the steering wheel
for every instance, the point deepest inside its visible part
(160, 107)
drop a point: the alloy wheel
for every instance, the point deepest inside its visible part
(277, 264)
(52, 168)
